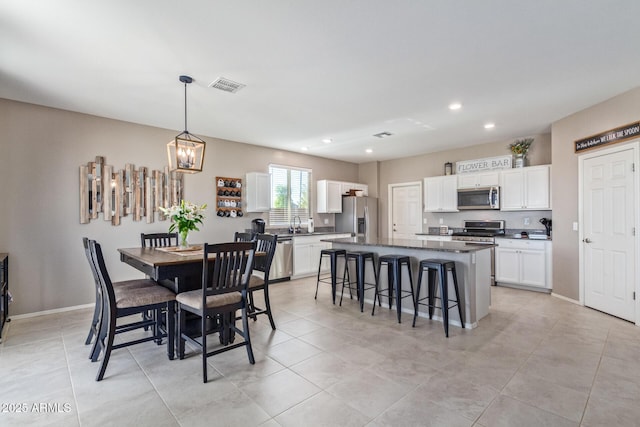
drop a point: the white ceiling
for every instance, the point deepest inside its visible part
(342, 69)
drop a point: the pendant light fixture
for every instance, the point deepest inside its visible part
(186, 151)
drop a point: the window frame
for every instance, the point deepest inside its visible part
(304, 218)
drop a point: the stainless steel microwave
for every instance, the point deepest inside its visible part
(480, 198)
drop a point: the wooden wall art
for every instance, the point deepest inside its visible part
(127, 192)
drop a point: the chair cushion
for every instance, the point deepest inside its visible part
(255, 281)
(194, 299)
(137, 283)
(138, 297)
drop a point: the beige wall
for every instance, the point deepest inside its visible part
(418, 167)
(618, 111)
(41, 151)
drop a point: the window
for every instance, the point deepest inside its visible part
(289, 194)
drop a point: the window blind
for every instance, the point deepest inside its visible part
(289, 195)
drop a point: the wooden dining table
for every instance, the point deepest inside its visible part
(175, 269)
(179, 271)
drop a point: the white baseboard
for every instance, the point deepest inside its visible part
(55, 310)
(562, 297)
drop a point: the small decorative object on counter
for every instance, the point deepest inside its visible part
(184, 218)
(310, 225)
(520, 148)
(448, 168)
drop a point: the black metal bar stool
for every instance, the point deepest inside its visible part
(394, 265)
(360, 258)
(438, 267)
(332, 277)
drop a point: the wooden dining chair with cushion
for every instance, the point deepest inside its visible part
(97, 312)
(158, 240)
(266, 246)
(119, 301)
(243, 237)
(225, 278)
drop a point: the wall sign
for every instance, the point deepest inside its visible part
(618, 134)
(486, 164)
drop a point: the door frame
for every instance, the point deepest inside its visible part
(390, 198)
(635, 146)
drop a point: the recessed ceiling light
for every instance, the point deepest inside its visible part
(327, 140)
(455, 106)
(489, 125)
(369, 150)
(305, 149)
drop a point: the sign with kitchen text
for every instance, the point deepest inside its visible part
(482, 165)
(619, 134)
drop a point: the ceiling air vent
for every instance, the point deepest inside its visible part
(226, 85)
(382, 134)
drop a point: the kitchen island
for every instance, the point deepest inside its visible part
(473, 267)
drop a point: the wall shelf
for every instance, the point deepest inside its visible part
(229, 197)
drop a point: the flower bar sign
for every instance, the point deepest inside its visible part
(486, 164)
(619, 134)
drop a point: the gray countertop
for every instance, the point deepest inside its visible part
(453, 246)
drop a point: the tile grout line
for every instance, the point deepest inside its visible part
(164, 402)
(73, 388)
(586, 404)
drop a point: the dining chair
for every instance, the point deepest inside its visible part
(243, 237)
(265, 243)
(120, 300)
(155, 240)
(225, 278)
(97, 312)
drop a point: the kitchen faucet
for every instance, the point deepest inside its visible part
(292, 226)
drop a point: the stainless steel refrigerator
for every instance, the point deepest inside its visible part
(359, 216)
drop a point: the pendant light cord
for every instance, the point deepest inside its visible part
(185, 107)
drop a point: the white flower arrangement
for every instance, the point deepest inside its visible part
(184, 217)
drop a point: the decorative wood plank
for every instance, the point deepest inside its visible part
(149, 197)
(107, 192)
(129, 184)
(84, 194)
(118, 197)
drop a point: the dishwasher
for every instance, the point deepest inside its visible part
(282, 264)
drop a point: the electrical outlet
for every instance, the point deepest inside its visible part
(575, 226)
(326, 221)
(441, 221)
(424, 220)
(526, 220)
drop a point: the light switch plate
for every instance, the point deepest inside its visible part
(575, 226)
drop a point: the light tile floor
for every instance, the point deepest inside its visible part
(535, 360)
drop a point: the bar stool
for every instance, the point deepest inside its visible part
(394, 265)
(439, 267)
(359, 257)
(332, 277)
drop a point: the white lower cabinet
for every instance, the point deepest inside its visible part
(523, 262)
(306, 253)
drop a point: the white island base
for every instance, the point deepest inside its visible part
(473, 268)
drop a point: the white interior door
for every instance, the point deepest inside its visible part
(405, 203)
(608, 228)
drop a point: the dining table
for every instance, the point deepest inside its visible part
(178, 269)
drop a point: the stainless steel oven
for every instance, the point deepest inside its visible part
(481, 231)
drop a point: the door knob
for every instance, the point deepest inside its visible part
(586, 240)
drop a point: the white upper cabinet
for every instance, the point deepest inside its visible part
(258, 192)
(441, 194)
(526, 188)
(479, 179)
(329, 196)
